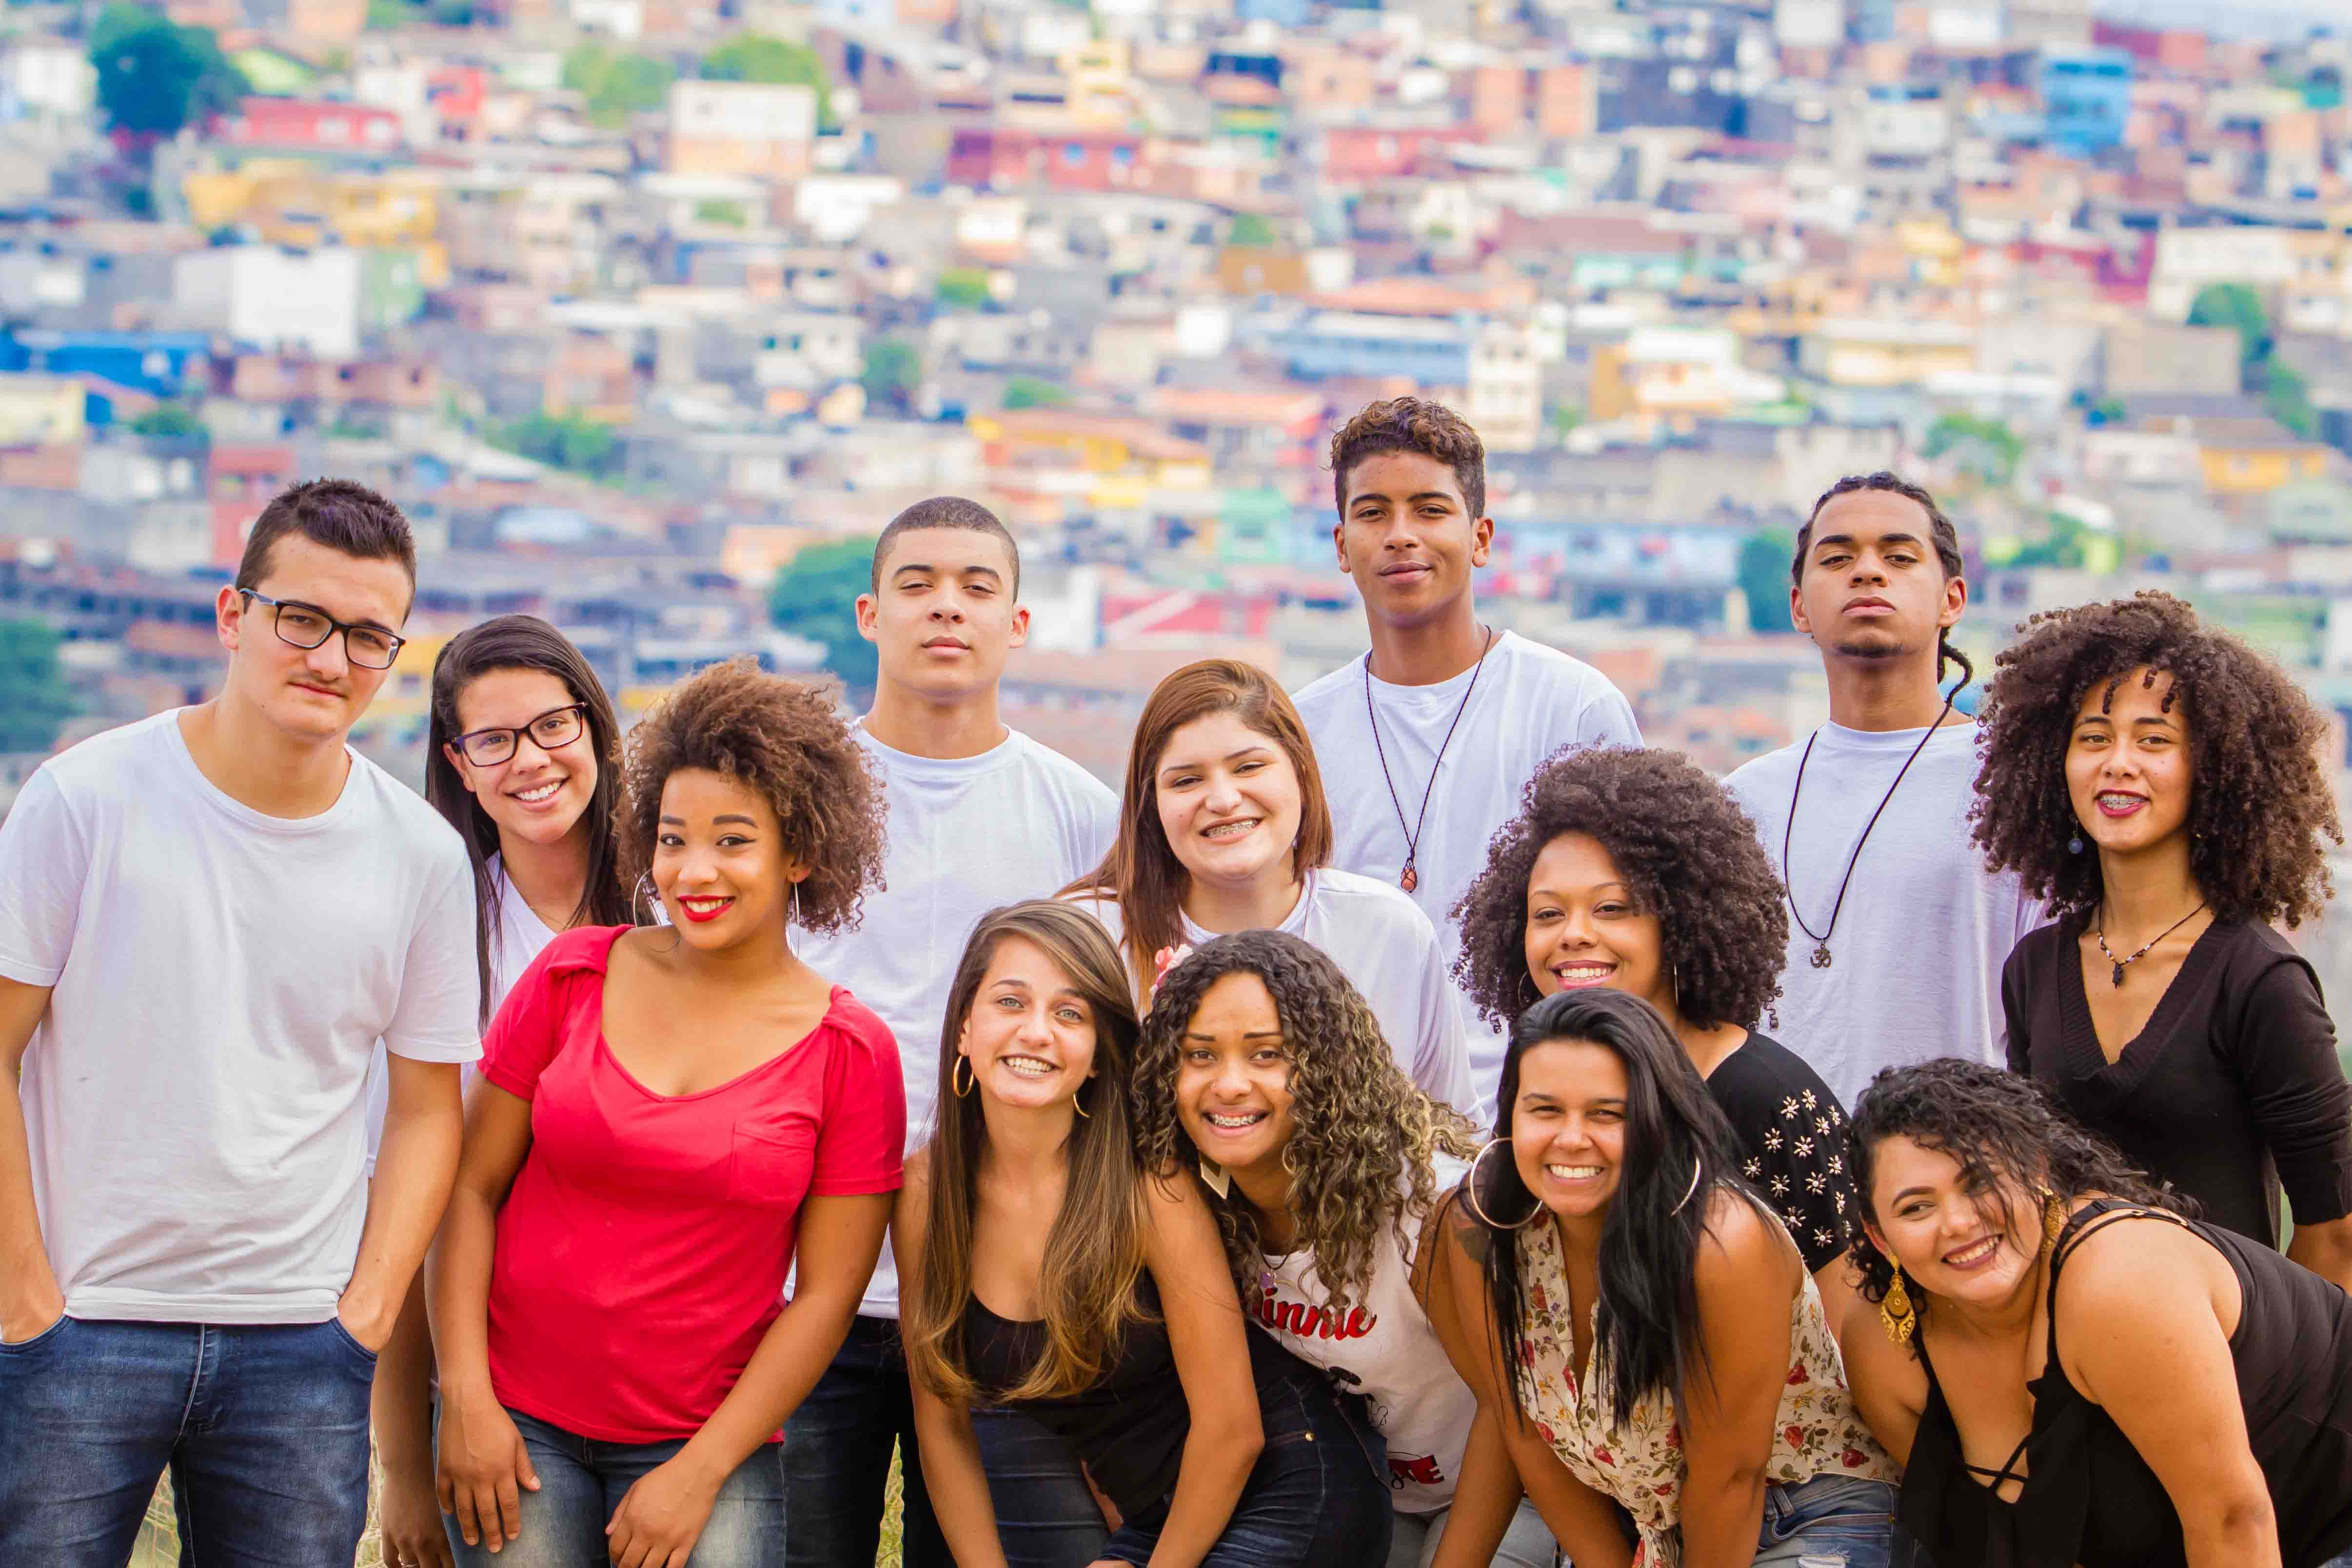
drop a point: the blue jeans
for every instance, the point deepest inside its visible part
(1046, 1516)
(1316, 1495)
(264, 1428)
(1829, 1521)
(582, 1481)
(837, 1460)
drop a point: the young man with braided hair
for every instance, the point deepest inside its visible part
(1897, 932)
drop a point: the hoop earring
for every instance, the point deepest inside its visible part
(1897, 1311)
(961, 1078)
(1470, 1193)
(2053, 1220)
(1081, 1107)
(1696, 1170)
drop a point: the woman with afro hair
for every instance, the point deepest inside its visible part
(2158, 784)
(1632, 869)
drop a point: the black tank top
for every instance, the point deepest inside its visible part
(2089, 1498)
(1130, 1427)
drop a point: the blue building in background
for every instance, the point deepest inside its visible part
(2085, 98)
(154, 363)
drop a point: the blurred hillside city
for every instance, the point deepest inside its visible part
(651, 313)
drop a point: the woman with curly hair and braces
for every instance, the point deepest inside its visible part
(2158, 784)
(2183, 1394)
(1632, 869)
(1261, 1065)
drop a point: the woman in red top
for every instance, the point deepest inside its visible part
(668, 1116)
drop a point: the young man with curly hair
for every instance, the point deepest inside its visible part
(208, 921)
(1898, 931)
(979, 816)
(1425, 741)
(2158, 784)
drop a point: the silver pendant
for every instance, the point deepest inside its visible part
(1821, 954)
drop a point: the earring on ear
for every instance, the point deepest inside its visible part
(960, 1077)
(1897, 1311)
(2074, 844)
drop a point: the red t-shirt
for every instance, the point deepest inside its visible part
(643, 1249)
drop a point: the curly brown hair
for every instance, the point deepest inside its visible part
(1360, 1156)
(788, 741)
(1684, 846)
(1411, 425)
(2261, 804)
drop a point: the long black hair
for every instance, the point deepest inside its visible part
(1648, 1322)
(524, 642)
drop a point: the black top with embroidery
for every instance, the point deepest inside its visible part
(1791, 1131)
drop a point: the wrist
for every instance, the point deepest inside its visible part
(700, 1464)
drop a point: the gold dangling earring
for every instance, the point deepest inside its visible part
(962, 1079)
(2053, 1220)
(1901, 1318)
(1081, 1107)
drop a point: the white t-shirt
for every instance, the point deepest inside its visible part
(1385, 1350)
(967, 835)
(1917, 954)
(194, 1098)
(1530, 702)
(1390, 952)
(515, 940)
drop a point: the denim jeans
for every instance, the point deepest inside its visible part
(1829, 1521)
(582, 1481)
(1046, 1516)
(1313, 1497)
(1526, 1544)
(264, 1428)
(837, 1460)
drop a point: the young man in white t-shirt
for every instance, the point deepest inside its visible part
(1896, 932)
(1426, 742)
(981, 815)
(207, 921)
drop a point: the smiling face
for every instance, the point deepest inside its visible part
(2128, 770)
(1407, 537)
(540, 792)
(1030, 1035)
(1872, 586)
(1946, 1230)
(315, 694)
(1583, 928)
(718, 861)
(1232, 1077)
(944, 618)
(1568, 1126)
(1229, 801)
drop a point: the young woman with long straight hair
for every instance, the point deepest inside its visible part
(1223, 827)
(1044, 1270)
(1331, 1162)
(1638, 1322)
(518, 749)
(668, 1119)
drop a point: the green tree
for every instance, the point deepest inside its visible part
(1988, 448)
(571, 442)
(2237, 306)
(755, 56)
(2288, 397)
(33, 701)
(1764, 558)
(172, 419)
(1029, 392)
(719, 210)
(155, 77)
(1252, 229)
(962, 288)
(815, 596)
(894, 369)
(617, 84)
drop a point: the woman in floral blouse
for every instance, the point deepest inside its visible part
(1637, 1321)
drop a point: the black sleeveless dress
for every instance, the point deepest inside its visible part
(2088, 1498)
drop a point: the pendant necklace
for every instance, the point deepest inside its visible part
(1789, 887)
(1409, 878)
(2116, 976)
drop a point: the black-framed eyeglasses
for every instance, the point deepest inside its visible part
(556, 727)
(307, 626)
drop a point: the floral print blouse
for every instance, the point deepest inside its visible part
(1639, 1463)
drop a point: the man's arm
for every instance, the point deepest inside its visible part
(424, 1123)
(30, 1300)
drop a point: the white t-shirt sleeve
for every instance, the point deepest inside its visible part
(436, 1018)
(1607, 720)
(44, 863)
(1441, 1063)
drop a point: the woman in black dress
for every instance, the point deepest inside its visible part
(2157, 784)
(1632, 869)
(2072, 1372)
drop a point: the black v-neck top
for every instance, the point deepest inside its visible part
(2230, 1093)
(2089, 1498)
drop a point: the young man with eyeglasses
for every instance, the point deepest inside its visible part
(207, 921)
